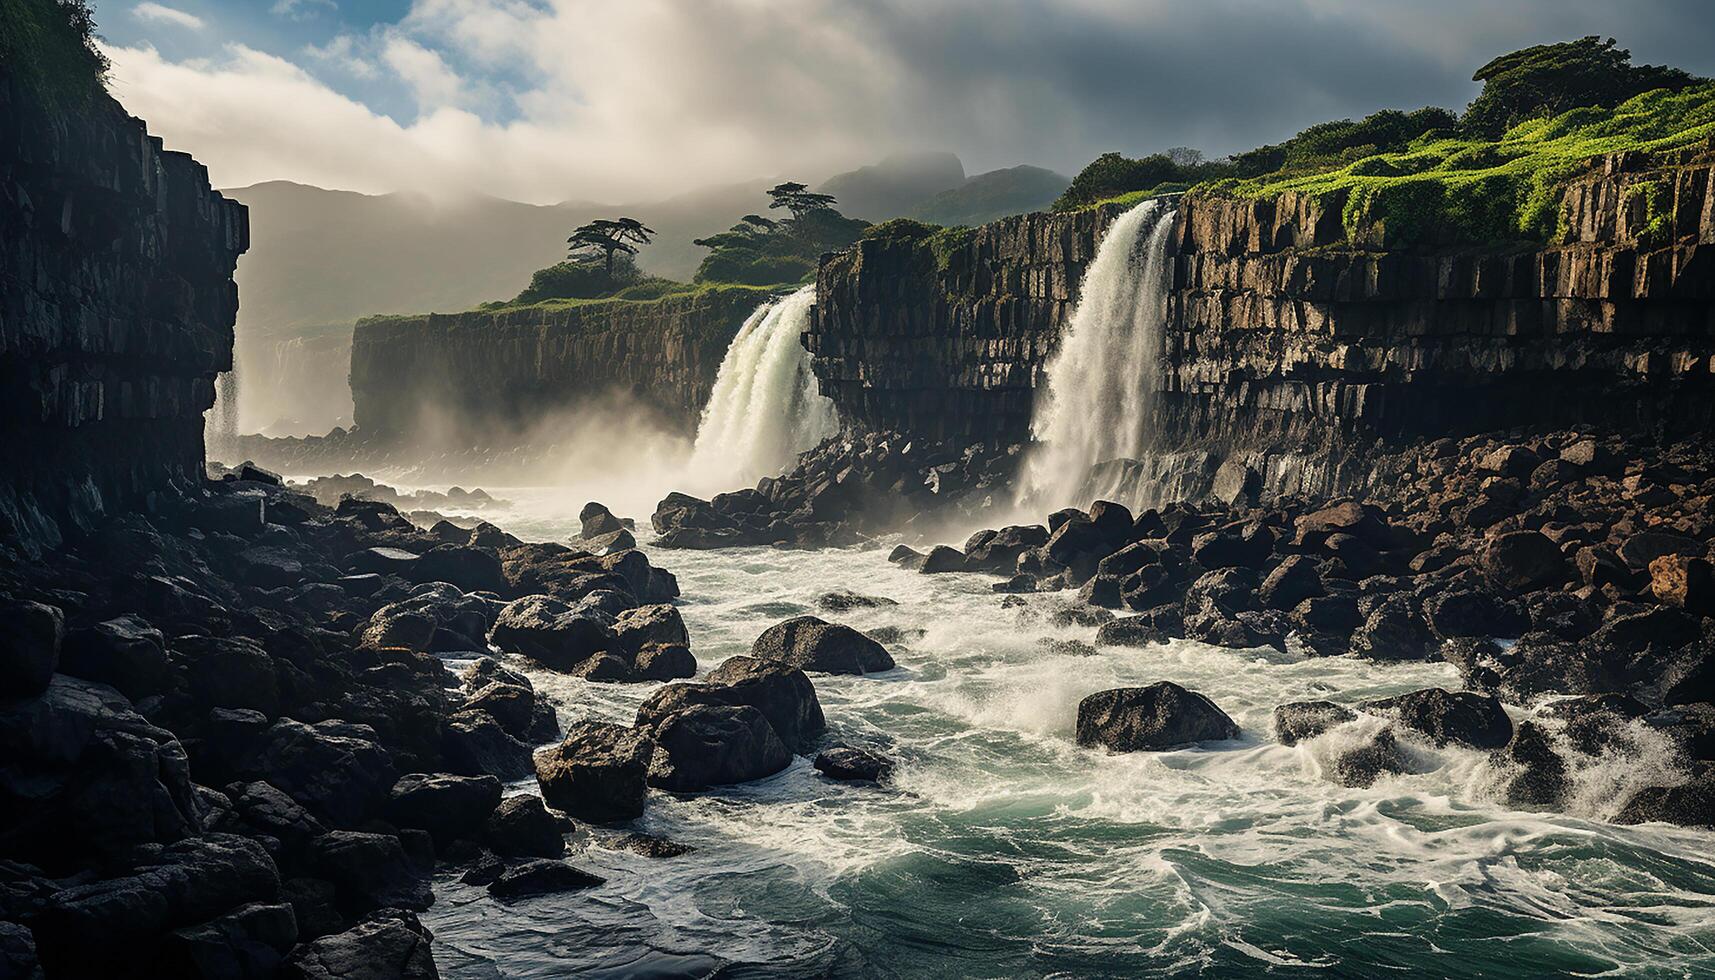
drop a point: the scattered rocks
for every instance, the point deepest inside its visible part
(849, 764)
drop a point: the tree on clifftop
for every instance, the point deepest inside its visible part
(799, 199)
(1549, 79)
(608, 236)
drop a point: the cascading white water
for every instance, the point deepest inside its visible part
(1099, 387)
(220, 426)
(764, 409)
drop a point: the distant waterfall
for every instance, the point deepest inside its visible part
(1099, 391)
(764, 409)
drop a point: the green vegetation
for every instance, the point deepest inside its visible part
(48, 47)
(1493, 176)
(760, 251)
(991, 196)
(941, 242)
(647, 292)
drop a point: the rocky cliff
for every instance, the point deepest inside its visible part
(1296, 341)
(482, 372)
(115, 316)
(949, 346)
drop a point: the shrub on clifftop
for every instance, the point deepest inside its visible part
(48, 46)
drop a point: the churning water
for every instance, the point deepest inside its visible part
(765, 408)
(1002, 849)
(1100, 384)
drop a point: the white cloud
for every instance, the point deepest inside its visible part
(167, 15)
(546, 100)
(300, 9)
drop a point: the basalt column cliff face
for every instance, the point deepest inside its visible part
(949, 346)
(1296, 343)
(446, 375)
(115, 316)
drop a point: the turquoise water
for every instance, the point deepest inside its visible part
(1002, 849)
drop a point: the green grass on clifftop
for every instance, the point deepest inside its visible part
(1488, 192)
(642, 297)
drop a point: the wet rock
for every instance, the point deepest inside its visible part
(229, 672)
(1160, 716)
(1467, 612)
(650, 846)
(907, 558)
(998, 553)
(1359, 768)
(1331, 613)
(1596, 723)
(849, 764)
(513, 705)
(1246, 547)
(387, 945)
(713, 745)
(542, 876)
(656, 623)
(1129, 560)
(125, 653)
(664, 662)
(1129, 631)
(259, 808)
(370, 871)
(314, 905)
(1392, 631)
(552, 632)
(597, 520)
(1640, 549)
(248, 943)
(1299, 721)
(780, 691)
(29, 646)
(604, 667)
(471, 569)
(18, 953)
(1532, 773)
(91, 929)
(473, 743)
(1055, 647)
(611, 543)
(845, 601)
(1522, 561)
(597, 773)
(448, 807)
(1685, 582)
(88, 778)
(1361, 521)
(942, 558)
(1291, 582)
(335, 769)
(809, 643)
(522, 826)
(1448, 716)
(1691, 804)
(1104, 591)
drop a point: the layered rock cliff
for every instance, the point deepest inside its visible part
(440, 375)
(1294, 343)
(115, 316)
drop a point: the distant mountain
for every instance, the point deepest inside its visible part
(894, 186)
(996, 194)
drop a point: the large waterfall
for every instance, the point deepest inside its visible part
(764, 409)
(1099, 389)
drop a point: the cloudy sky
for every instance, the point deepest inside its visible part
(548, 100)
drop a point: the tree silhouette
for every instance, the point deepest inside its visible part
(798, 199)
(608, 236)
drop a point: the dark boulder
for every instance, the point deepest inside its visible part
(248, 943)
(542, 876)
(713, 745)
(1392, 631)
(1360, 767)
(1532, 773)
(656, 623)
(845, 601)
(471, 569)
(552, 632)
(1130, 631)
(1233, 547)
(664, 662)
(849, 764)
(333, 768)
(780, 691)
(1690, 804)
(999, 553)
(448, 807)
(809, 643)
(943, 558)
(1469, 719)
(1523, 561)
(29, 646)
(126, 653)
(1291, 582)
(597, 773)
(473, 743)
(1299, 721)
(371, 871)
(522, 826)
(1685, 582)
(387, 945)
(1160, 716)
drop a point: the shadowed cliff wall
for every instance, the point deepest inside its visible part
(115, 316)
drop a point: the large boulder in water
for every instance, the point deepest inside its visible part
(1691, 804)
(1299, 721)
(554, 633)
(780, 691)
(1476, 720)
(715, 745)
(656, 623)
(597, 773)
(810, 643)
(1160, 716)
(448, 807)
(387, 945)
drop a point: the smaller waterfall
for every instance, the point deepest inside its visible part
(220, 427)
(1099, 387)
(764, 409)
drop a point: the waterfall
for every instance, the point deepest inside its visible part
(1098, 394)
(764, 409)
(220, 429)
